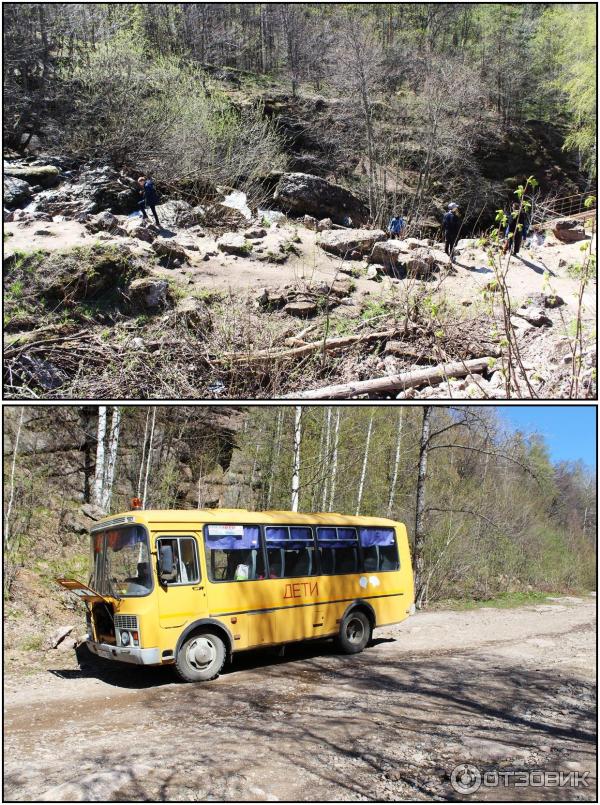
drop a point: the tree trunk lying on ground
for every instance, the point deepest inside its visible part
(401, 382)
(329, 345)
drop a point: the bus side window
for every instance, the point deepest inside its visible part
(379, 547)
(338, 549)
(185, 560)
(234, 557)
(290, 551)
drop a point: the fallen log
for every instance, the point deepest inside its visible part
(330, 345)
(400, 382)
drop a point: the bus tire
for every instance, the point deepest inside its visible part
(355, 632)
(201, 657)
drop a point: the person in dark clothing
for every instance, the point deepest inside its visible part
(451, 225)
(516, 229)
(150, 197)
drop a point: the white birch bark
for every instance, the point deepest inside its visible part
(364, 467)
(149, 458)
(12, 484)
(110, 463)
(139, 486)
(327, 474)
(99, 471)
(296, 470)
(334, 461)
(396, 463)
(276, 456)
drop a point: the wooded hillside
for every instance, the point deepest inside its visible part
(428, 98)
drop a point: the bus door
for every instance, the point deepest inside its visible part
(181, 591)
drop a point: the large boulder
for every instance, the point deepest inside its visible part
(398, 255)
(350, 242)
(96, 189)
(179, 214)
(569, 230)
(16, 191)
(305, 194)
(83, 273)
(149, 294)
(44, 175)
(390, 254)
(105, 222)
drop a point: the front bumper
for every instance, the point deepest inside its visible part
(137, 656)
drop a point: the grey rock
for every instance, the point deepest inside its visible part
(306, 194)
(16, 191)
(234, 243)
(533, 315)
(41, 175)
(345, 242)
(324, 224)
(195, 314)
(149, 294)
(169, 248)
(58, 636)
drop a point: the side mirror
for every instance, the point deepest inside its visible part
(166, 567)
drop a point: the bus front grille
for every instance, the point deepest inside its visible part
(126, 621)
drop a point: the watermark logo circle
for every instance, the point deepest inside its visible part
(465, 778)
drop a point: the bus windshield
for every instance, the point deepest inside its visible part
(121, 562)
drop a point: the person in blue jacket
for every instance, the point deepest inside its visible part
(150, 197)
(396, 226)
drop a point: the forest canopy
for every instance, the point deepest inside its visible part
(515, 61)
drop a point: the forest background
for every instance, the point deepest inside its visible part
(421, 92)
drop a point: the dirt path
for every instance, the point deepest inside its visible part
(503, 689)
(538, 269)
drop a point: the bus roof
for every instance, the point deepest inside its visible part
(245, 516)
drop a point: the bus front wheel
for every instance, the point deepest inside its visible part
(355, 632)
(200, 658)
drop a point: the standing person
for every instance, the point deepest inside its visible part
(396, 226)
(150, 197)
(518, 225)
(451, 225)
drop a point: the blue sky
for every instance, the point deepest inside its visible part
(569, 430)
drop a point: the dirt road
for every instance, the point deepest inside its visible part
(502, 689)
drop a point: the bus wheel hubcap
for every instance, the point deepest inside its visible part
(201, 653)
(354, 631)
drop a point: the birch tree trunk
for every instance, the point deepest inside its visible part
(276, 456)
(113, 446)
(99, 471)
(334, 461)
(326, 480)
(139, 486)
(396, 463)
(418, 557)
(7, 545)
(149, 458)
(296, 470)
(364, 467)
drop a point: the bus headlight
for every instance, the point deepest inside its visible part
(124, 638)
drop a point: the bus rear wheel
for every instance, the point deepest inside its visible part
(355, 633)
(200, 658)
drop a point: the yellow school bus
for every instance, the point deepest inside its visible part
(191, 587)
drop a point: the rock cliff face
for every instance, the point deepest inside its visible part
(205, 466)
